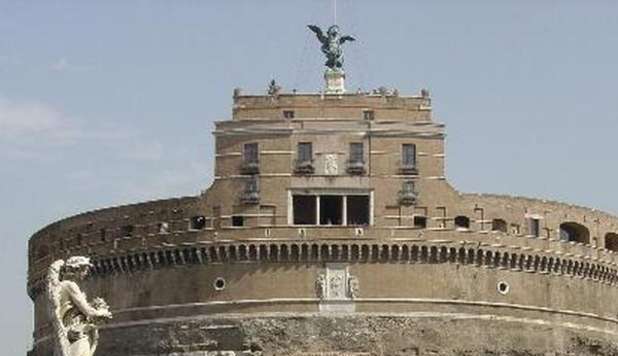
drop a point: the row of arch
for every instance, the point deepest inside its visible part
(353, 253)
(568, 231)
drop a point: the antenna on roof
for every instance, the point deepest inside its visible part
(334, 12)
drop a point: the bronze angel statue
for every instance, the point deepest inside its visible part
(73, 318)
(331, 45)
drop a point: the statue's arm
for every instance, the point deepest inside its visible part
(79, 299)
(347, 38)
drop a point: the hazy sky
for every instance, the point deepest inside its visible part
(110, 102)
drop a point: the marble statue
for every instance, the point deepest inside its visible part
(353, 287)
(75, 321)
(331, 45)
(320, 286)
(273, 88)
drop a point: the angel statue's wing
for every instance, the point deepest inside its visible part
(318, 33)
(61, 343)
(346, 38)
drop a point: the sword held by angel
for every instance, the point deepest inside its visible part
(331, 45)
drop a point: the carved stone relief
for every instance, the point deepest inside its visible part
(320, 286)
(330, 164)
(353, 287)
(337, 288)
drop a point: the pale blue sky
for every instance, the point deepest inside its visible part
(110, 102)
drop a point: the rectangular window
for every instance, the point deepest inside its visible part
(331, 209)
(304, 208)
(305, 152)
(420, 221)
(250, 154)
(356, 152)
(288, 114)
(368, 114)
(535, 227)
(357, 209)
(127, 230)
(238, 221)
(408, 155)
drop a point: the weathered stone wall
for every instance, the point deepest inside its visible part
(423, 276)
(413, 334)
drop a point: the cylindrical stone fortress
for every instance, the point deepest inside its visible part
(330, 229)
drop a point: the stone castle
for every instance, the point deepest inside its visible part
(331, 229)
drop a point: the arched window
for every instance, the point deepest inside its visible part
(571, 231)
(499, 225)
(462, 222)
(611, 241)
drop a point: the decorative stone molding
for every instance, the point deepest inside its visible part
(424, 252)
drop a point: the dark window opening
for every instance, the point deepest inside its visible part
(198, 223)
(357, 210)
(575, 232)
(238, 220)
(503, 287)
(535, 227)
(499, 225)
(103, 235)
(219, 284)
(250, 153)
(288, 114)
(408, 155)
(127, 230)
(462, 222)
(611, 241)
(368, 115)
(331, 207)
(304, 161)
(304, 207)
(420, 222)
(356, 152)
(305, 152)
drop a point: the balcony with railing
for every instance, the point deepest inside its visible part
(408, 194)
(251, 193)
(304, 167)
(356, 167)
